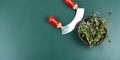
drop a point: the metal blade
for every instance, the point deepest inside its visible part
(78, 17)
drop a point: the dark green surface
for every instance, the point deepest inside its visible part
(25, 33)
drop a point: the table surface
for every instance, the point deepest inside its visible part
(25, 33)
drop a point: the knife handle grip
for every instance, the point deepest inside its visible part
(54, 21)
(72, 4)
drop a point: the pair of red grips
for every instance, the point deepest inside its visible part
(54, 21)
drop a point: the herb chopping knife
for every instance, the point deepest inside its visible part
(69, 27)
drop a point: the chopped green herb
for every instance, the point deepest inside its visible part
(93, 29)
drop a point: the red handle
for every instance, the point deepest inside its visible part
(72, 4)
(54, 21)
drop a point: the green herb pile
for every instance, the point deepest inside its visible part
(93, 30)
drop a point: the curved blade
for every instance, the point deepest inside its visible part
(78, 17)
